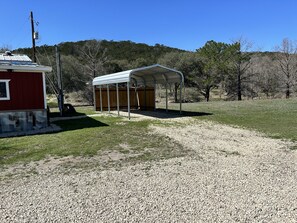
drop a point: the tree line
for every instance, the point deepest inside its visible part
(233, 67)
(238, 71)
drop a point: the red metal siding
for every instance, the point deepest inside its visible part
(26, 91)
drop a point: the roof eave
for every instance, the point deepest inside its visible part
(25, 68)
(127, 76)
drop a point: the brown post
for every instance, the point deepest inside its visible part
(33, 38)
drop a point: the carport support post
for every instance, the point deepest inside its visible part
(166, 86)
(136, 98)
(94, 97)
(108, 102)
(155, 86)
(128, 98)
(180, 97)
(101, 109)
(144, 96)
(118, 106)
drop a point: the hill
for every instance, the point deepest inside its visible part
(250, 74)
(115, 50)
(84, 60)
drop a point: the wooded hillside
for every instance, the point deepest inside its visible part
(84, 60)
(115, 51)
(233, 70)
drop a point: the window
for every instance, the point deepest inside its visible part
(4, 90)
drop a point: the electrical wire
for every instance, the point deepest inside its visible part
(52, 85)
(22, 29)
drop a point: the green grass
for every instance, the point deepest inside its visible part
(277, 118)
(91, 136)
(52, 104)
(88, 137)
(86, 110)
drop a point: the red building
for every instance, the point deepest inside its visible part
(22, 94)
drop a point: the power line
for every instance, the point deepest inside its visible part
(51, 82)
(18, 36)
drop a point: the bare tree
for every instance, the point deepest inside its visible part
(265, 79)
(5, 47)
(72, 79)
(173, 60)
(287, 64)
(93, 57)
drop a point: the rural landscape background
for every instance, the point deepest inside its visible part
(229, 71)
(231, 156)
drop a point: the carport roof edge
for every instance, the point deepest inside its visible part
(145, 75)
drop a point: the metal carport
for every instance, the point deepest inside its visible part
(150, 75)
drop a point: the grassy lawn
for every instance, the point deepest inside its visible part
(86, 110)
(277, 118)
(88, 137)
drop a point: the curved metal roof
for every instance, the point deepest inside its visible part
(144, 75)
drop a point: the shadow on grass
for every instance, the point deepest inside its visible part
(57, 114)
(162, 114)
(81, 123)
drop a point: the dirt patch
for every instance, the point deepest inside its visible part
(104, 159)
(207, 138)
(233, 175)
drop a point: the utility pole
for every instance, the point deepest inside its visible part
(60, 86)
(33, 37)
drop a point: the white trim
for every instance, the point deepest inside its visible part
(7, 98)
(44, 90)
(25, 68)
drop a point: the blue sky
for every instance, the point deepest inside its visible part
(184, 24)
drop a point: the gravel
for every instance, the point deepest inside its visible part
(233, 175)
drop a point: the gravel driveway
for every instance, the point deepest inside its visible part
(233, 175)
